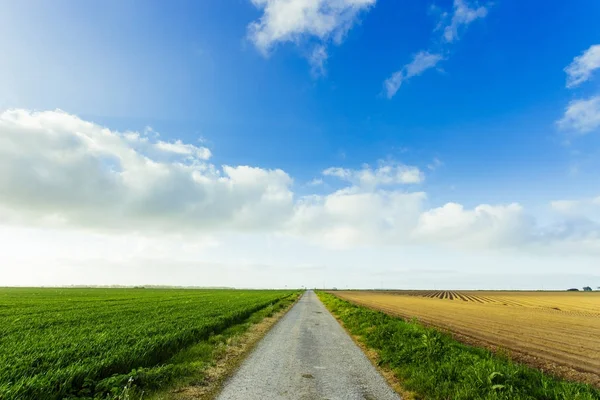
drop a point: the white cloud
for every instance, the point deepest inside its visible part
(584, 208)
(57, 170)
(105, 207)
(316, 182)
(387, 173)
(298, 20)
(485, 225)
(581, 116)
(462, 15)
(393, 83)
(134, 137)
(317, 60)
(435, 164)
(577, 228)
(178, 147)
(352, 217)
(55, 164)
(580, 70)
(421, 62)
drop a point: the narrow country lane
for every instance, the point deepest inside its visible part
(307, 356)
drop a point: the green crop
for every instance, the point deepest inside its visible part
(85, 343)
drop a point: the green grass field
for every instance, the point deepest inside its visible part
(87, 343)
(432, 365)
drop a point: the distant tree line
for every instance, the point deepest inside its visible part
(585, 289)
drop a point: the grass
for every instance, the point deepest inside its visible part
(432, 365)
(89, 343)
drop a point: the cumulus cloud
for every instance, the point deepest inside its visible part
(299, 20)
(55, 164)
(59, 170)
(421, 62)
(462, 15)
(582, 67)
(351, 217)
(387, 173)
(581, 116)
(485, 224)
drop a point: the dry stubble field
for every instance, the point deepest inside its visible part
(556, 331)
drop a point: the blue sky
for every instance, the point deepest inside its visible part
(480, 122)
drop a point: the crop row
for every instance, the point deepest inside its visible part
(445, 294)
(464, 296)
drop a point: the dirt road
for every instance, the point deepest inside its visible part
(307, 356)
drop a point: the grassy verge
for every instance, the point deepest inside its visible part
(432, 365)
(199, 369)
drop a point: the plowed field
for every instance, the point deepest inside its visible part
(556, 331)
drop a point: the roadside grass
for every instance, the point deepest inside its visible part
(432, 365)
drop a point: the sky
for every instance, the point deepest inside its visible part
(285, 143)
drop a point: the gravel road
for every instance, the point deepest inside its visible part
(307, 355)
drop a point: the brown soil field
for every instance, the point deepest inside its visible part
(558, 332)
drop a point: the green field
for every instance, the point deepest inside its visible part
(86, 343)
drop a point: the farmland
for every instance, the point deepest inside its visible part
(556, 331)
(86, 343)
(430, 364)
